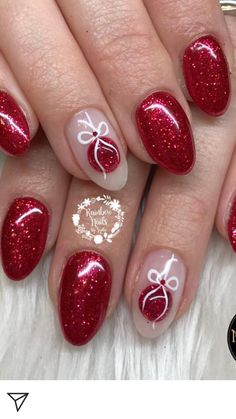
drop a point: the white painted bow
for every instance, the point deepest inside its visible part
(163, 282)
(95, 134)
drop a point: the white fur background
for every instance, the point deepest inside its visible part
(195, 347)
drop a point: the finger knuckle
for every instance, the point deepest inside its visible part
(121, 56)
(125, 45)
(182, 20)
(183, 217)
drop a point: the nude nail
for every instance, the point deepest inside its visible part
(97, 148)
(158, 292)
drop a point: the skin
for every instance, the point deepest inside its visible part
(8, 83)
(89, 56)
(179, 212)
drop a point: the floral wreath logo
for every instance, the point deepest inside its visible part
(108, 207)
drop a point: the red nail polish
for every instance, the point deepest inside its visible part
(84, 296)
(14, 130)
(166, 132)
(103, 154)
(153, 308)
(24, 235)
(207, 75)
(232, 225)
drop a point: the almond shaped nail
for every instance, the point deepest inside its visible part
(14, 129)
(97, 148)
(157, 293)
(24, 235)
(166, 132)
(84, 296)
(207, 75)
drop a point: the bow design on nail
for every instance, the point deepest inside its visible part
(164, 283)
(98, 135)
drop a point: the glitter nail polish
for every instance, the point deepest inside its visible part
(24, 235)
(166, 132)
(207, 75)
(97, 148)
(84, 296)
(232, 225)
(14, 129)
(158, 292)
(108, 155)
(155, 309)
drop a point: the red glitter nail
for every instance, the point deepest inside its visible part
(84, 296)
(24, 235)
(156, 307)
(14, 130)
(103, 154)
(232, 225)
(207, 75)
(166, 132)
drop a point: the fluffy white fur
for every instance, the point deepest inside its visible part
(195, 347)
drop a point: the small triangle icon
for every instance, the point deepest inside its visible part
(19, 399)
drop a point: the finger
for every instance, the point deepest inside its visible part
(130, 62)
(33, 192)
(18, 123)
(165, 267)
(197, 38)
(63, 91)
(89, 263)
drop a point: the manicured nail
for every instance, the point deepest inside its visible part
(84, 296)
(24, 236)
(207, 75)
(232, 225)
(166, 132)
(14, 130)
(157, 293)
(97, 149)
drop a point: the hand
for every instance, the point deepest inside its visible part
(170, 246)
(87, 68)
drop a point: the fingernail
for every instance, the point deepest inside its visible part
(97, 149)
(24, 235)
(14, 130)
(157, 293)
(232, 225)
(166, 132)
(84, 296)
(207, 75)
